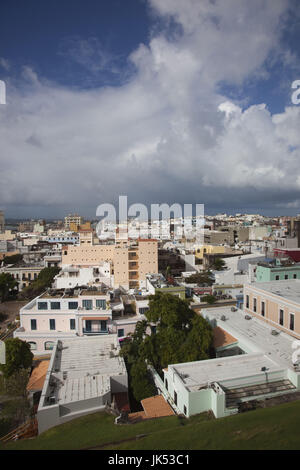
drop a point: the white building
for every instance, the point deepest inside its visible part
(64, 314)
(74, 276)
(82, 378)
(264, 369)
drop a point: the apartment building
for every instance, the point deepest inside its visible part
(275, 302)
(73, 276)
(24, 275)
(131, 259)
(277, 271)
(75, 219)
(63, 314)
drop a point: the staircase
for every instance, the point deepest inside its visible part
(235, 396)
(26, 430)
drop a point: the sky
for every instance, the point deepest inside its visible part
(165, 101)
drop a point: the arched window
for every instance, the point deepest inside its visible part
(32, 345)
(49, 345)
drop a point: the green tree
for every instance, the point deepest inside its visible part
(141, 382)
(7, 285)
(15, 384)
(209, 299)
(43, 281)
(13, 259)
(204, 278)
(18, 357)
(218, 264)
(181, 336)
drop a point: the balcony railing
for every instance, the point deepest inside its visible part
(96, 331)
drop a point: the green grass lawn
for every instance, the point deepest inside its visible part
(270, 428)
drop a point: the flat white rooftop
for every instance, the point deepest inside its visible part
(288, 289)
(196, 375)
(82, 368)
(254, 333)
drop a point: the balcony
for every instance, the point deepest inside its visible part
(133, 266)
(95, 331)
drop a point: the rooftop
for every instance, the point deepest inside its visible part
(222, 338)
(253, 335)
(197, 375)
(82, 367)
(288, 289)
(38, 376)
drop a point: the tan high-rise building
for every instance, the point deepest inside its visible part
(73, 219)
(132, 259)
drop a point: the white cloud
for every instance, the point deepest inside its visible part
(166, 134)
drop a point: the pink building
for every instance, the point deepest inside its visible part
(275, 302)
(63, 314)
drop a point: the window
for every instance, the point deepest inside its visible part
(153, 330)
(167, 386)
(32, 345)
(120, 332)
(42, 306)
(281, 317)
(87, 304)
(52, 324)
(33, 324)
(72, 324)
(294, 276)
(247, 301)
(286, 276)
(55, 305)
(254, 305)
(143, 310)
(263, 309)
(292, 321)
(175, 398)
(184, 409)
(49, 345)
(101, 303)
(73, 305)
(276, 278)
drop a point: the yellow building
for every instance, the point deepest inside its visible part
(74, 227)
(201, 250)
